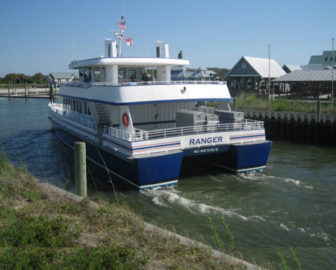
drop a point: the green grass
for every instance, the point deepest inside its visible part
(40, 229)
(249, 101)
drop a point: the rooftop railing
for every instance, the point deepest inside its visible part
(130, 83)
(139, 135)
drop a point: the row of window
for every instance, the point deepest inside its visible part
(76, 106)
(85, 75)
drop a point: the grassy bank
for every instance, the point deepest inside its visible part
(249, 101)
(40, 229)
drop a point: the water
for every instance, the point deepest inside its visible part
(289, 205)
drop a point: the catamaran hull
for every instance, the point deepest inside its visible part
(142, 173)
(164, 170)
(241, 158)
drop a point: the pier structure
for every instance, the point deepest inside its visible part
(313, 128)
(27, 92)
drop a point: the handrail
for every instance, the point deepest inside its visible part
(129, 83)
(139, 135)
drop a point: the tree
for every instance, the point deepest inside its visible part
(39, 78)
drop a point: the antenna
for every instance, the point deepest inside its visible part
(269, 71)
(119, 34)
(72, 55)
(74, 45)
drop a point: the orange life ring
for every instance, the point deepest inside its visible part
(125, 119)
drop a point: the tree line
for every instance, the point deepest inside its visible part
(19, 78)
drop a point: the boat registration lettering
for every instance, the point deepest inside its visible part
(206, 140)
(205, 151)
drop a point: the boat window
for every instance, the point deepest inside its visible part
(127, 75)
(131, 75)
(80, 105)
(97, 75)
(121, 74)
(85, 108)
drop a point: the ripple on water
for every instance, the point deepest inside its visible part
(170, 197)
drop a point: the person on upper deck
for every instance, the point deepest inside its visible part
(145, 77)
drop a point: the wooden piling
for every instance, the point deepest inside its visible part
(51, 93)
(80, 169)
(9, 90)
(25, 89)
(318, 112)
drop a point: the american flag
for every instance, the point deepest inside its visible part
(122, 23)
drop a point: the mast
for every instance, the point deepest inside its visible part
(269, 71)
(119, 35)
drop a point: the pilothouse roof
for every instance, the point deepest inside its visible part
(143, 62)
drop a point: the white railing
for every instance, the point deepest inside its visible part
(139, 134)
(84, 120)
(129, 83)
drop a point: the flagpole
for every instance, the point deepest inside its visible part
(269, 71)
(332, 73)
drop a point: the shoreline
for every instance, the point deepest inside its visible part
(44, 200)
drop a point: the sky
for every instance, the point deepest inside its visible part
(46, 35)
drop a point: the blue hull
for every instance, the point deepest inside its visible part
(164, 170)
(243, 157)
(142, 173)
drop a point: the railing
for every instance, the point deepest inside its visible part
(130, 83)
(181, 131)
(76, 117)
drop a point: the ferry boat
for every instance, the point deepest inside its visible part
(140, 124)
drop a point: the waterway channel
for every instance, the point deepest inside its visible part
(291, 204)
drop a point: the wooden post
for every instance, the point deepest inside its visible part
(80, 169)
(8, 91)
(51, 93)
(318, 112)
(235, 102)
(26, 90)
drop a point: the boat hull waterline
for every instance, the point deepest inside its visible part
(161, 170)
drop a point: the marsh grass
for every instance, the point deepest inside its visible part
(249, 101)
(292, 260)
(40, 229)
(222, 235)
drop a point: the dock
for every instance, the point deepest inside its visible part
(28, 92)
(312, 128)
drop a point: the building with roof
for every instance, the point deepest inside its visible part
(290, 68)
(252, 73)
(324, 60)
(199, 74)
(64, 77)
(307, 82)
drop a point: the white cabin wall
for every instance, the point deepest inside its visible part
(114, 112)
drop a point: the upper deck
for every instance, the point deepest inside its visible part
(146, 92)
(118, 80)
